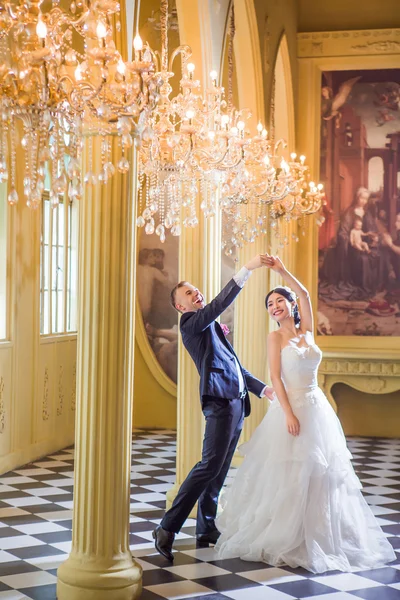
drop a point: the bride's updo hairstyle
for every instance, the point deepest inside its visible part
(290, 296)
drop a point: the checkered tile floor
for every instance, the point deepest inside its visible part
(35, 532)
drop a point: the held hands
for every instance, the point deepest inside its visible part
(272, 262)
(269, 392)
(254, 263)
(265, 260)
(293, 425)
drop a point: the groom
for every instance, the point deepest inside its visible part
(224, 387)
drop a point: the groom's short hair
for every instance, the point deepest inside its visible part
(173, 293)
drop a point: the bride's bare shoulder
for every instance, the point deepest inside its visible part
(275, 336)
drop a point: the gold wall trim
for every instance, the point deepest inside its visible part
(73, 391)
(149, 357)
(345, 43)
(359, 367)
(60, 392)
(45, 403)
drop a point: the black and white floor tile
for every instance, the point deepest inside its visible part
(35, 532)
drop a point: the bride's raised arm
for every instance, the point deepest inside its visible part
(305, 309)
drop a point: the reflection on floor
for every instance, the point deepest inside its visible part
(35, 532)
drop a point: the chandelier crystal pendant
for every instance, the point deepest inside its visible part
(198, 143)
(62, 78)
(170, 177)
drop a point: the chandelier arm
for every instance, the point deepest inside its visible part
(232, 30)
(164, 34)
(156, 58)
(13, 15)
(186, 52)
(58, 16)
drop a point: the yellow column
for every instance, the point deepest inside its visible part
(189, 415)
(251, 330)
(100, 565)
(199, 263)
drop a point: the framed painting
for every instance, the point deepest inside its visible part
(350, 133)
(157, 322)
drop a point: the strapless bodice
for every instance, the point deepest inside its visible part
(299, 365)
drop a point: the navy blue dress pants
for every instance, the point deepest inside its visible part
(224, 422)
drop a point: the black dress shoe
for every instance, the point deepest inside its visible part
(163, 542)
(208, 538)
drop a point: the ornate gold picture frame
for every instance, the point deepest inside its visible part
(327, 52)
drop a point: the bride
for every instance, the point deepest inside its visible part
(295, 499)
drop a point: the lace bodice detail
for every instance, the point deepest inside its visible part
(299, 369)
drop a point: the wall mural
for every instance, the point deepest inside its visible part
(359, 241)
(157, 274)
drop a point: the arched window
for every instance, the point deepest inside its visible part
(58, 266)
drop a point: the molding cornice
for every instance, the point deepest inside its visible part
(359, 367)
(348, 43)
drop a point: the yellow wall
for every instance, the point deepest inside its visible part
(340, 15)
(37, 374)
(153, 406)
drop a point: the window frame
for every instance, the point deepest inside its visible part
(68, 305)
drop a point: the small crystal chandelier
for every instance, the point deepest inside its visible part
(198, 143)
(62, 78)
(257, 185)
(169, 174)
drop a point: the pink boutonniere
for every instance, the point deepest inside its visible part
(225, 328)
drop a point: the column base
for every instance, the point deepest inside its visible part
(171, 495)
(93, 579)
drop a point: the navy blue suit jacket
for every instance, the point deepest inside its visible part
(211, 352)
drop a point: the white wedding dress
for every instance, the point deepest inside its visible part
(296, 501)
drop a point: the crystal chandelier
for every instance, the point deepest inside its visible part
(61, 79)
(199, 143)
(170, 177)
(258, 186)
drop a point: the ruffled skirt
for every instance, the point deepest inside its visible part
(296, 501)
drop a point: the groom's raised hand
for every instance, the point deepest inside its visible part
(254, 263)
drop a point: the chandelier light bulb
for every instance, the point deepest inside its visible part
(190, 114)
(302, 159)
(320, 186)
(285, 166)
(41, 29)
(190, 67)
(234, 130)
(137, 43)
(225, 120)
(214, 75)
(259, 127)
(240, 125)
(101, 30)
(78, 73)
(312, 184)
(121, 67)
(211, 135)
(293, 156)
(264, 133)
